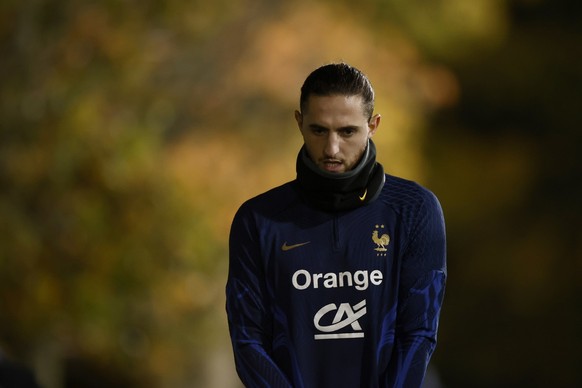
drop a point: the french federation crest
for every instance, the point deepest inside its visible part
(381, 240)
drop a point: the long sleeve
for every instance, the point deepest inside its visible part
(247, 307)
(421, 292)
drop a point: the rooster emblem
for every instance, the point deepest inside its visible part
(380, 241)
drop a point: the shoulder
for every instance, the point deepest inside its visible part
(272, 201)
(405, 192)
(408, 198)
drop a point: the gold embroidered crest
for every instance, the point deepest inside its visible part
(381, 241)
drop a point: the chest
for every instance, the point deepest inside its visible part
(313, 251)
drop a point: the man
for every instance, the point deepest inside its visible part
(336, 279)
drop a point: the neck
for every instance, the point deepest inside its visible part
(340, 191)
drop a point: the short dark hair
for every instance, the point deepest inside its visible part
(338, 78)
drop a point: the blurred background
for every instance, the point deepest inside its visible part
(131, 131)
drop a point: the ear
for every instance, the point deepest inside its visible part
(373, 125)
(299, 119)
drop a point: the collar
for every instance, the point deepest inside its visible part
(344, 191)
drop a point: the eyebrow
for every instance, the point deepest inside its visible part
(347, 127)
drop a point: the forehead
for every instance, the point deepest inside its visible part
(334, 106)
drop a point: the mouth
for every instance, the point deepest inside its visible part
(332, 165)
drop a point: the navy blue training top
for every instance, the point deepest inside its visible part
(346, 299)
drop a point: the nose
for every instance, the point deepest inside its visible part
(331, 145)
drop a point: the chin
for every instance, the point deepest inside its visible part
(334, 170)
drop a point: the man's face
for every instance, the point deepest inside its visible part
(335, 130)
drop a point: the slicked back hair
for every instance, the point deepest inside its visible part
(338, 79)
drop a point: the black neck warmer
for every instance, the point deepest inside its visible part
(340, 191)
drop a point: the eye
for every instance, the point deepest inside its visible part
(318, 131)
(347, 132)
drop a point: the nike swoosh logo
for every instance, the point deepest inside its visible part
(286, 247)
(364, 195)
